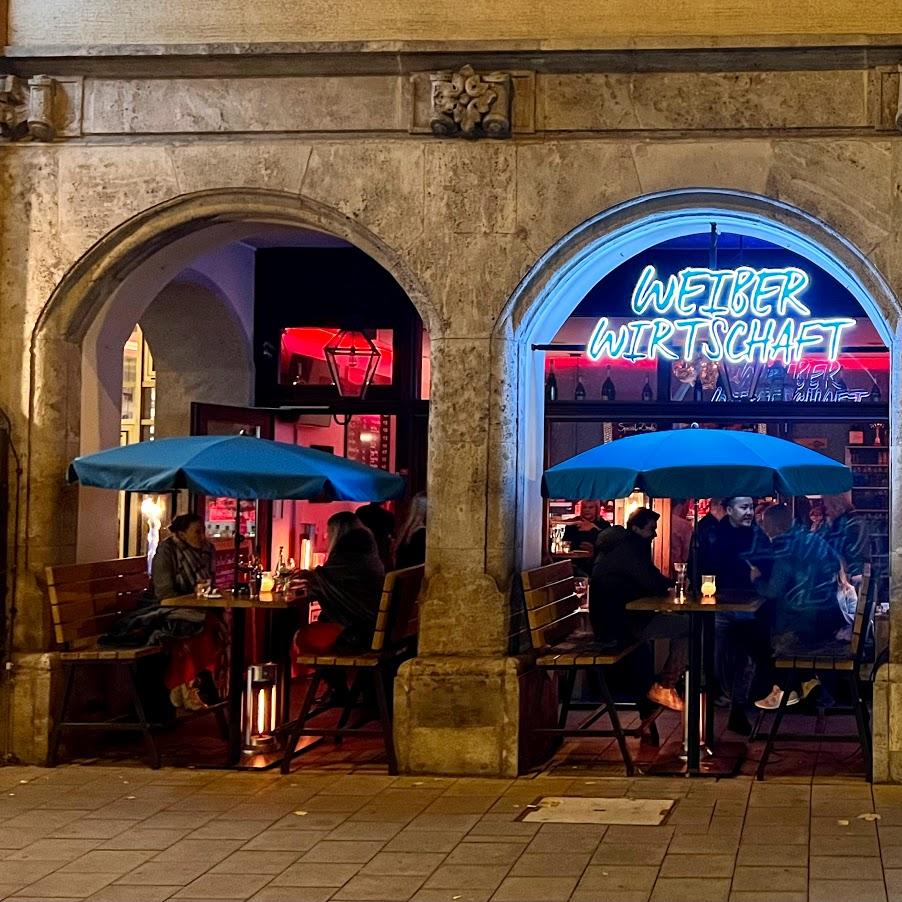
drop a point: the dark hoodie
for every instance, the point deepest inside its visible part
(623, 572)
(349, 585)
(728, 552)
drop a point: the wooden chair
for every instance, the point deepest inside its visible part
(848, 664)
(85, 601)
(562, 645)
(394, 641)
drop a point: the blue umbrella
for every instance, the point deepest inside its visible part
(696, 463)
(234, 466)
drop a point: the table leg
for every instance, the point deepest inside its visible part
(693, 691)
(707, 674)
(236, 685)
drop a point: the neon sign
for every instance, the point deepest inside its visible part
(735, 315)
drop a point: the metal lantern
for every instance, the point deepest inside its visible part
(352, 357)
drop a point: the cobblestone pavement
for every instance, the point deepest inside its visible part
(127, 834)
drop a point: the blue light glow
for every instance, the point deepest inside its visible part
(736, 315)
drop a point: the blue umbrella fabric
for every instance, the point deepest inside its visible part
(696, 463)
(234, 466)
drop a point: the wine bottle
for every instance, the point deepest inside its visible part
(551, 384)
(698, 391)
(647, 392)
(579, 393)
(608, 392)
(874, 394)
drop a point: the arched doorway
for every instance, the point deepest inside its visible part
(94, 308)
(83, 327)
(583, 258)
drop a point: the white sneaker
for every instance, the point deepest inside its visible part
(776, 696)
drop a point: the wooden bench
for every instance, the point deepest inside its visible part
(394, 641)
(85, 601)
(846, 664)
(561, 645)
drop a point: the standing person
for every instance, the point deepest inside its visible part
(802, 588)
(623, 572)
(410, 546)
(740, 638)
(680, 532)
(381, 523)
(583, 534)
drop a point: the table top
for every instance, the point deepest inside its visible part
(723, 603)
(268, 600)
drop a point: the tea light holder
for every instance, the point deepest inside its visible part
(709, 585)
(267, 582)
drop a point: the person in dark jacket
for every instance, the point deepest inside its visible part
(802, 587)
(381, 523)
(410, 548)
(583, 533)
(348, 586)
(623, 572)
(728, 550)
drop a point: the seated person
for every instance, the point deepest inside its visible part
(802, 588)
(182, 560)
(410, 547)
(623, 572)
(348, 588)
(582, 534)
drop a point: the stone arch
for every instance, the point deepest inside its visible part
(561, 276)
(558, 280)
(185, 226)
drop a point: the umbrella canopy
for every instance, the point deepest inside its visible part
(234, 466)
(696, 463)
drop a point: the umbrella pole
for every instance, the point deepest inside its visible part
(237, 541)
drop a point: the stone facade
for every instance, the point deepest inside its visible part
(473, 230)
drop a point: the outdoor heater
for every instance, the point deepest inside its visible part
(262, 714)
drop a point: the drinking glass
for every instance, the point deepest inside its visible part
(202, 588)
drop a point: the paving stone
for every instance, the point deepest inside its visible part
(359, 851)
(535, 889)
(771, 878)
(846, 891)
(223, 886)
(65, 885)
(255, 862)
(618, 853)
(845, 868)
(485, 853)
(605, 878)
(689, 889)
(462, 876)
(697, 866)
(405, 864)
(379, 888)
(563, 864)
(294, 894)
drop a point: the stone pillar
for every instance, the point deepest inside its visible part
(456, 703)
(49, 519)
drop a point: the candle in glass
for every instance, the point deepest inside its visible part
(709, 585)
(266, 582)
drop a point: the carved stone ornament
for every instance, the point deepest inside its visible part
(899, 103)
(26, 108)
(471, 105)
